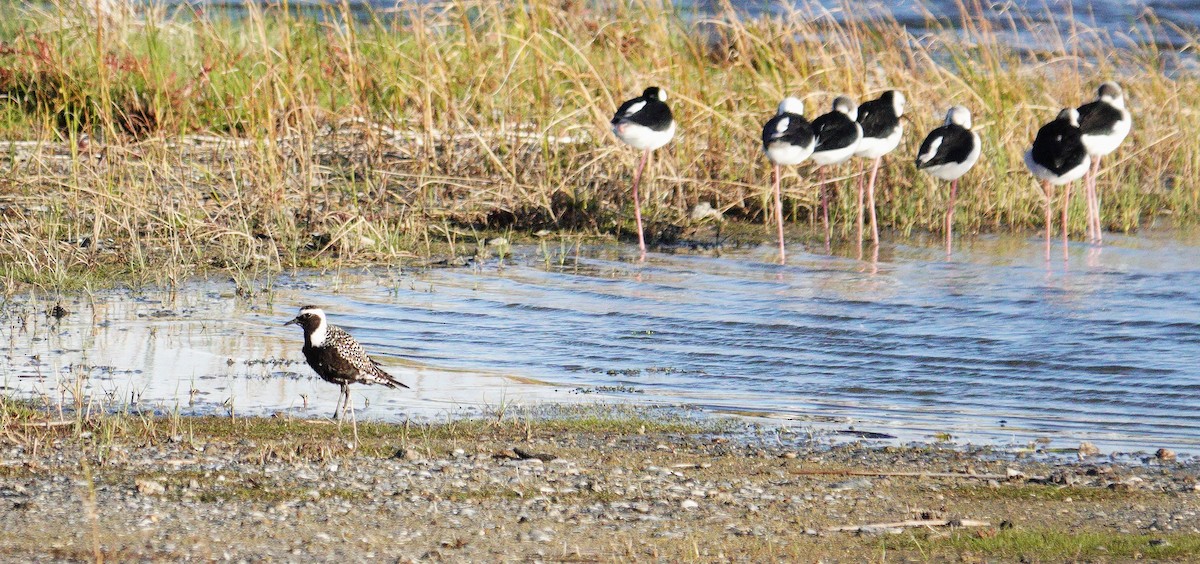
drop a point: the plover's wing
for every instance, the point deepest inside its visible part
(369, 371)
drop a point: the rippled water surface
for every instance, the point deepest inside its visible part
(996, 345)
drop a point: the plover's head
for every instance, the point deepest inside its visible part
(897, 99)
(655, 92)
(1111, 92)
(846, 105)
(312, 320)
(959, 115)
(1071, 115)
(791, 105)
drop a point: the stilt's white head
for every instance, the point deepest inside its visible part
(791, 105)
(898, 101)
(847, 106)
(1071, 115)
(1111, 92)
(960, 116)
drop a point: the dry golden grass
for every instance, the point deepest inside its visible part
(170, 143)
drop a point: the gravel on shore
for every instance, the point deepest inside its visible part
(294, 490)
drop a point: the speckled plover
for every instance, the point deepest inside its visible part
(787, 140)
(644, 123)
(337, 358)
(947, 153)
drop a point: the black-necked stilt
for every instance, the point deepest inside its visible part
(838, 135)
(881, 132)
(1104, 122)
(1058, 157)
(644, 123)
(787, 140)
(947, 153)
(337, 358)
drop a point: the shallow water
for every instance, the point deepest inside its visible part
(995, 345)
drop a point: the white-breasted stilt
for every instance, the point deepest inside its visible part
(787, 140)
(644, 123)
(947, 153)
(1058, 157)
(838, 135)
(338, 359)
(881, 133)
(1104, 122)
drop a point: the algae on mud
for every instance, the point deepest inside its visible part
(178, 142)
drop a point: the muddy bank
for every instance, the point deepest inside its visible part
(584, 487)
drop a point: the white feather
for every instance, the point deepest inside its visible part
(951, 171)
(783, 125)
(642, 137)
(1100, 145)
(933, 149)
(1048, 175)
(873, 148)
(635, 108)
(835, 156)
(787, 154)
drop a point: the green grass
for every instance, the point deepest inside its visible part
(1035, 545)
(288, 439)
(172, 144)
(1035, 492)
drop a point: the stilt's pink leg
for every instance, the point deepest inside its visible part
(637, 205)
(1065, 227)
(1049, 191)
(1096, 203)
(950, 216)
(871, 202)
(825, 213)
(1089, 187)
(860, 204)
(779, 217)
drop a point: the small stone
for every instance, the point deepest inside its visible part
(539, 535)
(1087, 449)
(149, 487)
(705, 210)
(689, 504)
(1165, 455)
(406, 454)
(848, 485)
(877, 531)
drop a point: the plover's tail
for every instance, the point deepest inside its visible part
(378, 376)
